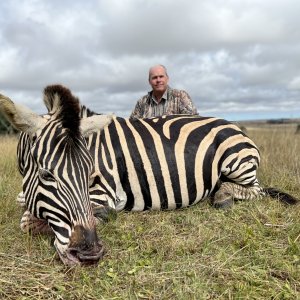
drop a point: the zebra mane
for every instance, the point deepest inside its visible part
(86, 112)
(60, 101)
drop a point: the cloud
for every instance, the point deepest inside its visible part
(295, 84)
(232, 57)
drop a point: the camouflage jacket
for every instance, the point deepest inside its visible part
(176, 102)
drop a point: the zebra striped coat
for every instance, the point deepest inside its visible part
(169, 162)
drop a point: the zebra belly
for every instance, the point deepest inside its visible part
(181, 197)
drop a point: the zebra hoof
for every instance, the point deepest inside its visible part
(227, 203)
(105, 214)
(31, 224)
(222, 199)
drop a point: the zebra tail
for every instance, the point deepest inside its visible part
(281, 196)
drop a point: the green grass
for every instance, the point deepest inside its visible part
(251, 251)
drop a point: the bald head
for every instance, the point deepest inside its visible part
(158, 69)
(158, 79)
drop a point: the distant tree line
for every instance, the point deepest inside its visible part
(5, 126)
(278, 121)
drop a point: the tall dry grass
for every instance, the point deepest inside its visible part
(251, 251)
(280, 152)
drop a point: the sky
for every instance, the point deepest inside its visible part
(237, 59)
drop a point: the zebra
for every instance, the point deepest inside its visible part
(77, 168)
(55, 166)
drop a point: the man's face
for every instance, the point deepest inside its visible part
(158, 79)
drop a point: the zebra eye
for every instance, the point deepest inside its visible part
(46, 175)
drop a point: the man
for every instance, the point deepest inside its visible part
(162, 100)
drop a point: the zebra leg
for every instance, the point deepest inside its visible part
(31, 224)
(230, 191)
(102, 204)
(103, 212)
(21, 199)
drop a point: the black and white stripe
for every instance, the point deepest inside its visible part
(169, 162)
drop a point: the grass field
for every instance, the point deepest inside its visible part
(251, 251)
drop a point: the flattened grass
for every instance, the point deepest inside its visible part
(251, 251)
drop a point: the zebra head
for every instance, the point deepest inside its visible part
(57, 171)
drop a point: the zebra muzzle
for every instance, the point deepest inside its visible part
(85, 246)
(89, 256)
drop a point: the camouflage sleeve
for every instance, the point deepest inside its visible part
(186, 105)
(136, 113)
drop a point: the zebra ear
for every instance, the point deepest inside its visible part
(21, 117)
(94, 124)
